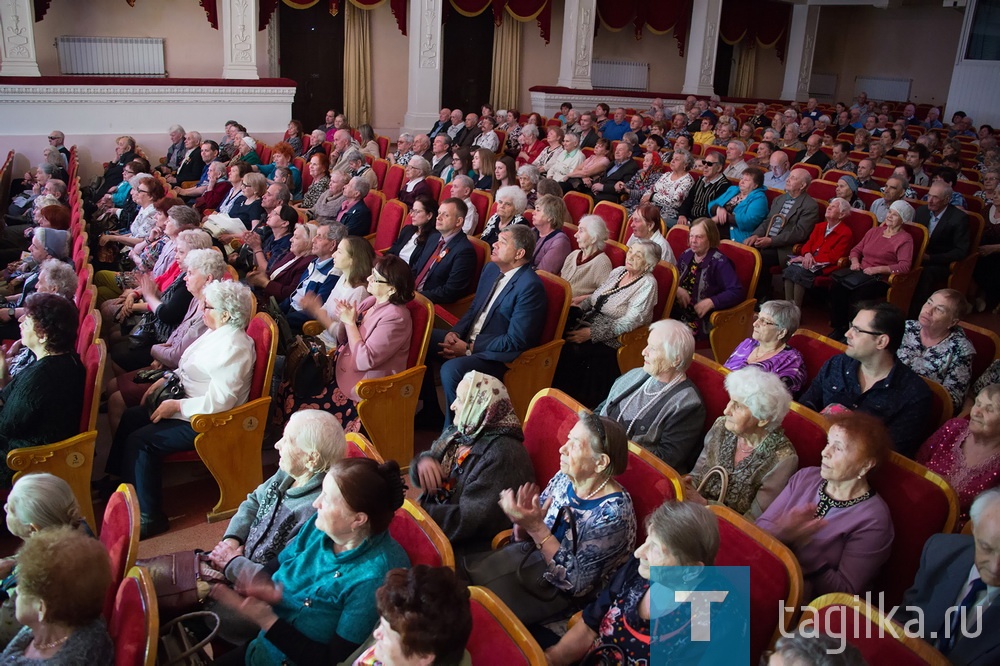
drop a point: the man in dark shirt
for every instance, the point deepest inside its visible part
(711, 185)
(869, 377)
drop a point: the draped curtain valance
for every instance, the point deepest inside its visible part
(657, 16)
(765, 22)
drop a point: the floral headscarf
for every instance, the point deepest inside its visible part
(487, 408)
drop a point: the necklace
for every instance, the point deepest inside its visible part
(744, 446)
(644, 390)
(49, 646)
(599, 489)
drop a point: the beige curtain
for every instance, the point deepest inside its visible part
(746, 67)
(506, 64)
(357, 65)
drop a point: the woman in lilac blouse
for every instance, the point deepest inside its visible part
(552, 246)
(839, 529)
(768, 347)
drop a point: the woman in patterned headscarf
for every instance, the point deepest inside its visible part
(472, 462)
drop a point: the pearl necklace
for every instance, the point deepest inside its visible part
(49, 646)
(644, 390)
(591, 495)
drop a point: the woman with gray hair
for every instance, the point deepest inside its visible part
(814, 650)
(552, 246)
(669, 191)
(659, 407)
(585, 269)
(746, 447)
(767, 347)
(417, 170)
(215, 374)
(511, 202)
(528, 177)
(588, 364)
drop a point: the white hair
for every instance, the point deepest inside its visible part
(764, 394)
(678, 342)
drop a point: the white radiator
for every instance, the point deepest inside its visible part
(111, 55)
(619, 74)
(883, 89)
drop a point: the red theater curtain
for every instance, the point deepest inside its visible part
(766, 22)
(520, 10)
(41, 6)
(616, 14)
(658, 16)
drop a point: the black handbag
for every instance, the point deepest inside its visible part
(170, 389)
(515, 574)
(850, 279)
(143, 334)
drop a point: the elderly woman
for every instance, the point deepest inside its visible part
(235, 194)
(884, 250)
(319, 166)
(372, 338)
(201, 267)
(767, 347)
(657, 404)
(416, 171)
(847, 189)
(588, 364)
(282, 155)
(295, 136)
(474, 459)
(43, 403)
(424, 618)
(46, 244)
(747, 442)
(588, 267)
(581, 560)
(287, 272)
(214, 374)
(967, 452)
(146, 191)
(827, 245)
(529, 145)
(246, 151)
(63, 577)
(251, 209)
(412, 237)
(511, 204)
(306, 614)
(740, 209)
(528, 177)
(705, 135)
(316, 140)
(934, 345)
(641, 183)
(646, 224)
(218, 188)
(669, 191)
(483, 169)
(565, 163)
(838, 527)
(707, 280)
(552, 150)
(579, 178)
(552, 246)
(327, 206)
(677, 534)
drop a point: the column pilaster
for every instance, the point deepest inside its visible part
(799, 54)
(239, 39)
(699, 66)
(17, 20)
(423, 90)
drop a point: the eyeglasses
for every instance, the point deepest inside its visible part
(855, 329)
(53, 138)
(378, 279)
(209, 307)
(763, 322)
(708, 163)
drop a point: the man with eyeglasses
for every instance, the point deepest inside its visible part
(869, 377)
(710, 186)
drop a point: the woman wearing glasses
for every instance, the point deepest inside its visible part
(251, 209)
(670, 190)
(767, 347)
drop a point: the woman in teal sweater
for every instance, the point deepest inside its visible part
(319, 606)
(742, 207)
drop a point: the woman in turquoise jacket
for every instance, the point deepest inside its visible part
(742, 207)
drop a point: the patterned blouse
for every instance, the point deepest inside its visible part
(612, 310)
(317, 188)
(605, 527)
(787, 364)
(949, 362)
(756, 480)
(639, 184)
(942, 453)
(669, 194)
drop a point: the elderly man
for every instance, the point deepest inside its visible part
(615, 128)
(354, 213)
(404, 150)
(440, 158)
(736, 165)
(955, 591)
(812, 110)
(812, 154)
(710, 186)
(461, 188)
(192, 166)
(777, 174)
(342, 140)
(487, 138)
(840, 158)
(176, 151)
(876, 151)
(573, 121)
(588, 132)
(422, 146)
(620, 171)
(869, 377)
(933, 119)
(789, 222)
(470, 131)
(910, 115)
(678, 127)
(506, 318)
(457, 128)
(866, 171)
(861, 106)
(442, 124)
(209, 154)
(806, 128)
(948, 240)
(443, 271)
(894, 190)
(57, 139)
(358, 167)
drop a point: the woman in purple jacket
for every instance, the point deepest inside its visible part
(708, 278)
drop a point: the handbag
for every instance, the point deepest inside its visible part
(308, 367)
(515, 574)
(723, 475)
(177, 580)
(143, 334)
(170, 389)
(850, 279)
(180, 646)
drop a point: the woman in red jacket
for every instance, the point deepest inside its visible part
(819, 256)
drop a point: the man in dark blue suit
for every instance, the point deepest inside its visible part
(319, 277)
(948, 240)
(505, 319)
(443, 272)
(959, 571)
(354, 213)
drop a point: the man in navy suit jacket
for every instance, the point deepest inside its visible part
(354, 213)
(950, 568)
(948, 240)
(319, 277)
(505, 319)
(445, 267)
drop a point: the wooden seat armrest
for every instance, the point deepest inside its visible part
(502, 539)
(387, 408)
(312, 327)
(730, 327)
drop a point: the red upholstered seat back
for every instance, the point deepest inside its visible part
(745, 260)
(772, 194)
(405, 529)
(260, 333)
(616, 253)
(85, 335)
(710, 379)
(374, 201)
(614, 218)
(545, 430)
(393, 181)
(555, 295)
(919, 509)
(919, 234)
(436, 185)
(985, 343)
(823, 189)
(677, 238)
(380, 167)
(648, 486)
(816, 350)
(128, 624)
(578, 205)
(490, 644)
(666, 276)
(808, 436)
(390, 221)
(769, 579)
(92, 364)
(383, 144)
(420, 320)
(116, 530)
(877, 647)
(482, 201)
(860, 222)
(569, 230)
